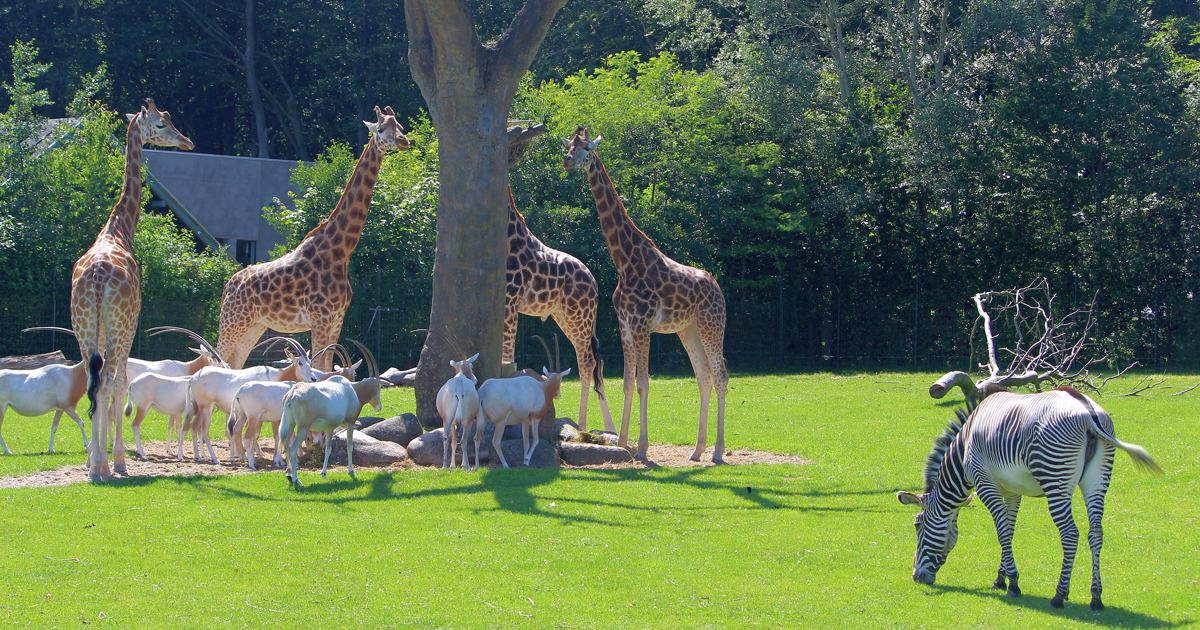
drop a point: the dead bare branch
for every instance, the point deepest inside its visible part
(1029, 343)
(1139, 388)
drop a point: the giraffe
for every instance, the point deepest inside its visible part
(544, 282)
(308, 288)
(106, 294)
(656, 295)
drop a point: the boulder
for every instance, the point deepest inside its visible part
(578, 454)
(400, 429)
(367, 451)
(545, 455)
(565, 430)
(426, 450)
(366, 421)
(400, 378)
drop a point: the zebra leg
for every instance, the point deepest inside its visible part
(1060, 510)
(1094, 485)
(1003, 507)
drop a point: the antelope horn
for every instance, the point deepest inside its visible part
(50, 328)
(271, 341)
(372, 366)
(547, 348)
(158, 330)
(453, 346)
(557, 356)
(339, 350)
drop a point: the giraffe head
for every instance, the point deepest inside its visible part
(156, 127)
(388, 132)
(579, 149)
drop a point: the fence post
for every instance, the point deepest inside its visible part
(781, 318)
(916, 318)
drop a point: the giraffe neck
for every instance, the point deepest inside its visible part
(516, 223)
(350, 214)
(620, 232)
(122, 223)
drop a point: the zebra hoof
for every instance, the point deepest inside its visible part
(1097, 605)
(999, 584)
(1013, 591)
(1057, 602)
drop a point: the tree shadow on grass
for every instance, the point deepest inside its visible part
(515, 491)
(1111, 616)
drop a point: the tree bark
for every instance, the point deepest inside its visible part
(256, 103)
(468, 88)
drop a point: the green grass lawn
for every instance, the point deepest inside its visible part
(823, 544)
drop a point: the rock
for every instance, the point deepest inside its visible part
(367, 451)
(367, 421)
(577, 454)
(400, 378)
(565, 430)
(426, 450)
(400, 429)
(544, 456)
(33, 361)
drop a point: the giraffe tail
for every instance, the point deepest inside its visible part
(95, 363)
(598, 370)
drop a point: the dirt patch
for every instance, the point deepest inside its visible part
(161, 462)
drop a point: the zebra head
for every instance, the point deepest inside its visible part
(937, 533)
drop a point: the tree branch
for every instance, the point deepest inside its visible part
(515, 49)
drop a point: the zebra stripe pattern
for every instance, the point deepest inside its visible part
(1015, 445)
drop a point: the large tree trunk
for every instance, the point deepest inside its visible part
(468, 88)
(256, 103)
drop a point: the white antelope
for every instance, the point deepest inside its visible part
(323, 407)
(170, 395)
(216, 387)
(56, 388)
(206, 355)
(259, 403)
(521, 399)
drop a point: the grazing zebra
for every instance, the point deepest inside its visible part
(1015, 445)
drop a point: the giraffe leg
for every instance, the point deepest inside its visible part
(643, 390)
(630, 351)
(690, 337)
(710, 324)
(509, 347)
(234, 345)
(325, 331)
(580, 328)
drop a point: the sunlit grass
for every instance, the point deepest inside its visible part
(823, 544)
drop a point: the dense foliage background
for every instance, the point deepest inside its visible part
(851, 172)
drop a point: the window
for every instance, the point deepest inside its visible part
(247, 252)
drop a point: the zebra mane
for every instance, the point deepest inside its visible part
(933, 463)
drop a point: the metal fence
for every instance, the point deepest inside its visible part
(766, 329)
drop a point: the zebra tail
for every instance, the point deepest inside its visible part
(1141, 457)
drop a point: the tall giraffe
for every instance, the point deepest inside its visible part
(106, 293)
(656, 295)
(308, 288)
(544, 282)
